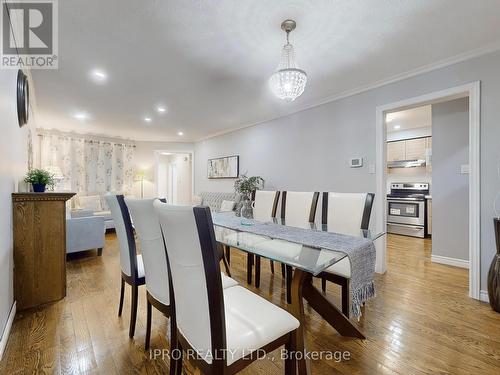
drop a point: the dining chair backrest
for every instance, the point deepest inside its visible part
(195, 274)
(347, 213)
(299, 207)
(154, 256)
(265, 204)
(125, 234)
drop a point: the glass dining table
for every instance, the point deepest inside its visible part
(307, 261)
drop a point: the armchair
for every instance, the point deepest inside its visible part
(85, 233)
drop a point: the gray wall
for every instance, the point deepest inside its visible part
(310, 149)
(450, 188)
(13, 165)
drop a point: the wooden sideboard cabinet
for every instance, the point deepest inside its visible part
(39, 221)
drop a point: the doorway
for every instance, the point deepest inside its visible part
(174, 176)
(472, 93)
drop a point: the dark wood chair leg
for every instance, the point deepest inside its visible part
(345, 297)
(249, 267)
(228, 254)
(133, 310)
(271, 263)
(179, 361)
(148, 325)
(257, 271)
(323, 284)
(226, 266)
(122, 292)
(283, 272)
(99, 251)
(289, 276)
(290, 360)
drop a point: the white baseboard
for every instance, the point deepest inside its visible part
(450, 261)
(483, 296)
(6, 331)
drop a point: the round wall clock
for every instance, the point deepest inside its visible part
(23, 98)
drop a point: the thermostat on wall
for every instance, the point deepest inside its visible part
(356, 162)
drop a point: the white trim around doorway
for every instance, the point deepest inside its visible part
(157, 154)
(472, 91)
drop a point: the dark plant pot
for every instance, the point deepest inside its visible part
(38, 188)
(494, 273)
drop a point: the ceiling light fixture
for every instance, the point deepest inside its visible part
(161, 109)
(82, 116)
(180, 134)
(397, 127)
(99, 76)
(288, 82)
(148, 119)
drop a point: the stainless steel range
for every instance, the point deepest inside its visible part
(406, 209)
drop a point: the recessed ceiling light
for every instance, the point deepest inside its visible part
(166, 153)
(99, 75)
(161, 109)
(397, 127)
(148, 119)
(82, 116)
(180, 133)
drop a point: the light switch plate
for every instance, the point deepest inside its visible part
(371, 169)
(464, 169)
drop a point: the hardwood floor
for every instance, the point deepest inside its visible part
(421, 322)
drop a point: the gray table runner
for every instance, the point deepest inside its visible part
(360, 251)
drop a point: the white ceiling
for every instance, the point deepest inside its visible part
(418, 117)
(209, 61)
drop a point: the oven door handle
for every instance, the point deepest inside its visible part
(414, 227)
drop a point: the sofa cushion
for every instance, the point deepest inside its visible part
(227, 206)
(104, 214)
(90, 202)
(214, 199)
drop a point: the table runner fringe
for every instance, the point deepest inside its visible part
(361, 295)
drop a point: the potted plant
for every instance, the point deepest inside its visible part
(244, 186)
(39, 179)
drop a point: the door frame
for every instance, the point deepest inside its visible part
(159, 152)
(473, 92)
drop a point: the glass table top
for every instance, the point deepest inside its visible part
(310, 259)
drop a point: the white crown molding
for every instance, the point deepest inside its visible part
(493, 47)
(6, 331)
(450, 261)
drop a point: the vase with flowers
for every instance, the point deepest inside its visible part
(244, 186)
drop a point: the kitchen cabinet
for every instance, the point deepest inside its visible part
(396, 151)
(415, 148)
(409, 149)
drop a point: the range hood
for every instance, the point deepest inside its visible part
(406, 163)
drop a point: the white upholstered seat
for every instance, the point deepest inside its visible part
(140, 266)
(252, 328)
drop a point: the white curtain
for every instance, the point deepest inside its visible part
(89, 165)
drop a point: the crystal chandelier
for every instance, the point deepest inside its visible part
(288, 82)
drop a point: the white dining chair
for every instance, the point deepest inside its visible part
(297, 208)
(147, 228)
(265, 204)
(346, 213)
(132, 267)
(224, 328)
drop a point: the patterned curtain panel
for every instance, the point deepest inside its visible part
(89, 165)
